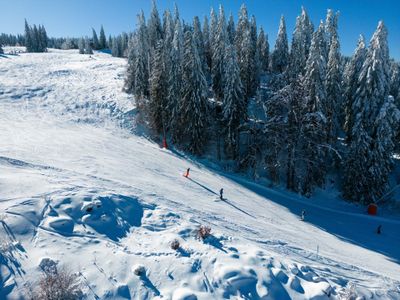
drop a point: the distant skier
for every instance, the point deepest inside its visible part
(187, 173)
(303, 214)
(221, 194)
(379, 229)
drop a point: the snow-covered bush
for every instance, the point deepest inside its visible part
(175, 245)
(58, 285)
(139, 270)
(203, 232)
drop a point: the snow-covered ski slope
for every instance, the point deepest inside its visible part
(78, 188)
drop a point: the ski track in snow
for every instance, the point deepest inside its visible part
(81, 185)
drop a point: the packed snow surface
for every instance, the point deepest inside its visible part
(82, 187)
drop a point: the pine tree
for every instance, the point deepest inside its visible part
(280, 55)
(315, 129)
(351, 74)
(155, 31)
(218, 59)
(1, 49)
(376, 118)
(81, 46)
(142, 62)
(199, 40)
(158, 90)
(301, 43)
(333, 106)
(109, 43)
(174, 93)
(254, 68)
(194, 98)
(102, 40)
(207, 46)
(95, 40)
(234, 104)
(213, 33)
(88, 46)
(231, 30)
(263, 50)
(28, 37)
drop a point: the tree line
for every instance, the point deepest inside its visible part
(321, 112)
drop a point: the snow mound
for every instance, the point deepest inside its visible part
(81, 212)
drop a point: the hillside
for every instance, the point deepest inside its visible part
(69, 142)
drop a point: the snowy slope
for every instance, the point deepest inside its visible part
(63, 148)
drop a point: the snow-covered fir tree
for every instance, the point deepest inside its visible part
(174, 84)
(234, 104)
(369, 161)
(1, 50)
(218, 59)
(213, 33)
(280, 55)
(254, 68)
(95, 40)
(315, 131)
(263, 50)
(207, 46)
(230, 28)
(102, 39)
(81, 46)
(155, 32)
(301, 42)
(350, 80)
(194, 99)
(88, 46)
(158, 90)
(199, 40)
(140, 67)
(333, 108)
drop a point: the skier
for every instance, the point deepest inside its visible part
(187, 173)
(221, 194)
(379, 229)
(303, 214)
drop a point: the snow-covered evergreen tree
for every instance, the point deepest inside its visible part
(28, 37)
(156, 105)
(81, 46)
(263, 50)
(333, 109)
(213, 33)
(315, 130)
(1, 50)
(142, 61)
(194, 98)
(254, 71)
(199, 40)
(230, 28)
(102, 39)
(88, 46)
(174, 83)
(218, 59)
(350, 80)
(280, 55)
(376, 118)
(234, 104)
(95, 40)
(155, 31)
(301, 42)
(109, 43)
(207, 46)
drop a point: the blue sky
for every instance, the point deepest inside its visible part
(76, 17)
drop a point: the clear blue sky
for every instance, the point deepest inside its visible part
(76, 17)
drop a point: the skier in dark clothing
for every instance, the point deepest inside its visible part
(187, 173)
(221, 194)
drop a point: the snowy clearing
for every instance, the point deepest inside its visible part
(79, 189)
